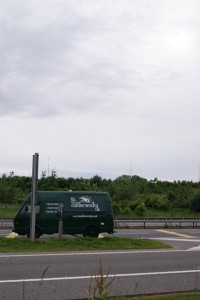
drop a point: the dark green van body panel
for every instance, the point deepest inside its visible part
(78, 211)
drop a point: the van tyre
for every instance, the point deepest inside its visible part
(37, 233)
(91, 231)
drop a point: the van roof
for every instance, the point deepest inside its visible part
(72, 192)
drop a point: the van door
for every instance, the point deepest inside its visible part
(50, 216)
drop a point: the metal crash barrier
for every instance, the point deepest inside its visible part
(6, 223)
(134, 223)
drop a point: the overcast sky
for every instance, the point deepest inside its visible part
(107, 87)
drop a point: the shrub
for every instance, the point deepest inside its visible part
(116, 208)
(157, 202)
(126, 211)
(140, 210)
(134, 204)
(195, 203)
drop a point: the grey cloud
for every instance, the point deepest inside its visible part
(62, 57)
(96, 70)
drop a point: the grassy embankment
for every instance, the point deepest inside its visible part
(9, 211)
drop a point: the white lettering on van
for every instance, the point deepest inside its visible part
(52, 208)
(84, 202)
(85, 216)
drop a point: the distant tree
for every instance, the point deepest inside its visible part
(8, 194)
(171, 196)
(97, 180)
(195, 203)
(138, 185)
(123, 188)
(53, 173)
(43, 174)
(156, 201)
(116, 208)
(126, 211)
(140, 209)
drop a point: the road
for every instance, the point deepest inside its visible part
(179, 239)
(67, 275)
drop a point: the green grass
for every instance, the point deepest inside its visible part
(8, 245)
(181, 296)
(9, 211)
(155, 213)
(176, 213)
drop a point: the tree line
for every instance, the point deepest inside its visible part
(129, 193)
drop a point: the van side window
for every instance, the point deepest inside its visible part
(27, 209)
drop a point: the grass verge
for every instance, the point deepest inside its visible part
(180, 296)
(75, 244)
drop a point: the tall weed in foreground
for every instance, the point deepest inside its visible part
(42, 277)
(100, 284)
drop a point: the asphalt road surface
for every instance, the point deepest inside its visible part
(68, 275)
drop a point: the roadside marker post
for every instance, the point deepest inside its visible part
(34, 194)
(60, 223)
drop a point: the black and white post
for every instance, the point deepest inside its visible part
(34, 194)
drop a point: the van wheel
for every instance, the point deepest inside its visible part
(37, 233)
(91, 231)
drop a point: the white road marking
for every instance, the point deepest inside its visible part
(197, 248)
(176, 239)
(135, 233)
(89, 277)
(175, 233)
(89, 253)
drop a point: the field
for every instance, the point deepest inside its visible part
(9, 211)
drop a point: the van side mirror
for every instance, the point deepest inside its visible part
(26, 209)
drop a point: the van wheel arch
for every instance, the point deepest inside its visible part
(37, 232)
(91, 231)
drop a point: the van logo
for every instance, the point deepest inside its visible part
(84, 202)
(86, 199)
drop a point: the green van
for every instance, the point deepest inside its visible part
(87, 213)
